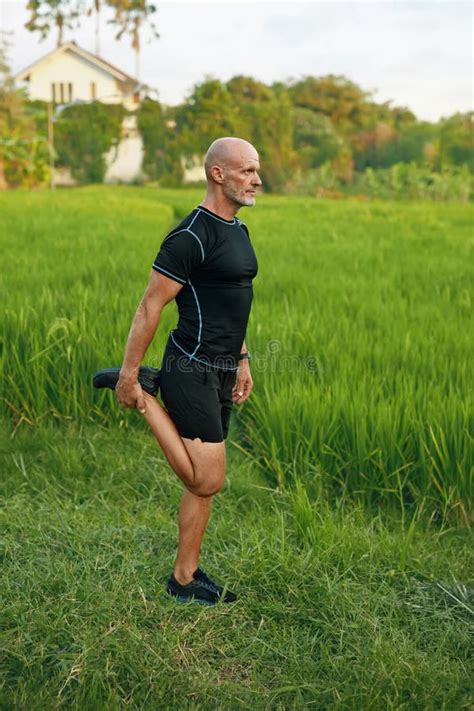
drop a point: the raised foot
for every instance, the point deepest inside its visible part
(148, 377)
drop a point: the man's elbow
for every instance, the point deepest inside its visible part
(150, 310)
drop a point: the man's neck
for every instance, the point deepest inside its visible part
(221, 207)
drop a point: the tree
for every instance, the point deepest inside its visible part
(247, 90)
(336, 97)
(315, 138)
(456, 140)
(23, 155)
(131, 16)
(207, 113)
(270, 129)
(96, 6)
(48, 14)
(162, 156)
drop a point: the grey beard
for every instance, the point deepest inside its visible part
(239, 199)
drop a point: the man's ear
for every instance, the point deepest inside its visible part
(217, 174)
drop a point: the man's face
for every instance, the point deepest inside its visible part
(241, 179)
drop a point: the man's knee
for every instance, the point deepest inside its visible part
(209, 464)
(207, 486)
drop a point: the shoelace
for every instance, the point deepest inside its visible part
(207, 582)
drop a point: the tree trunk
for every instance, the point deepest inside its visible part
(97, 27)
(60, 23)
(3, 180)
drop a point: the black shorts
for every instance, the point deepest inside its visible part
(198, 397)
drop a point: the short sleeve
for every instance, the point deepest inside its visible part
(179, 255)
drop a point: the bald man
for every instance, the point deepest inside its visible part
(206, 263)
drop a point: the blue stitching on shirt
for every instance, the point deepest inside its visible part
(199, 360)
(157, 267)
(200, 318)
(200, 243)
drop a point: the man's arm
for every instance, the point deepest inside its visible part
(159, 292)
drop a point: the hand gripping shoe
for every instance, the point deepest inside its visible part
(148, 377)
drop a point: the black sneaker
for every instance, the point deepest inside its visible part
(201, 590)
(148, 377)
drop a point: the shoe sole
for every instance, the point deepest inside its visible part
(193, 598)
(182, 598)
(148, 377)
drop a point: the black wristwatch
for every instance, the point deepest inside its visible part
(244, 356)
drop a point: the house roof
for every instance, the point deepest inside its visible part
(84, 54)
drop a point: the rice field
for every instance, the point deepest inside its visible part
(344, 522)
(360, 332)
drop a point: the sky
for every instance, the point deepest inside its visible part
(415, 54)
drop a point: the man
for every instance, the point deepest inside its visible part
(207, 264)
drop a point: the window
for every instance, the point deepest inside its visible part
(93, 91)
(61, 92)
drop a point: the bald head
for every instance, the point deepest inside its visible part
(232, 166)
(228, 152)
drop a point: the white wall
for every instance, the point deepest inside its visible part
(193, 170)
(124, 163)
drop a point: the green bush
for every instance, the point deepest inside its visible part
(83, 134)
(161, 160)
(401, 181)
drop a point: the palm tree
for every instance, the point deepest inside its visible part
(130, 17)
(47, 14)
(96, 8)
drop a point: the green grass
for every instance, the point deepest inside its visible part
(349, 615)
(344, 523)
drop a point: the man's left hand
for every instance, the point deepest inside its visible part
(243, 383)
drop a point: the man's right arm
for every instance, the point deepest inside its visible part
(159, 292)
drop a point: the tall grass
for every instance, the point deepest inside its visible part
(77, 264)
(362, 329)
(360, 333)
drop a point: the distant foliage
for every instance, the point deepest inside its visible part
(162, 152)
(325, 135)
(23, 153)
(401, 181)
(319, 135)
(315, 138)
(409, 181)
(83, 135)
(47, 16)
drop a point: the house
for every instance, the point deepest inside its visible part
(70, 73)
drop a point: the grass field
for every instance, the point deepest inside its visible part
(345, 519)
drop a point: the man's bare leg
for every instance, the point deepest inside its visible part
(169, 440)
(194, 510)
(193, 518)
(201, 466)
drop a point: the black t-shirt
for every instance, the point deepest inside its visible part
(215, 261)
